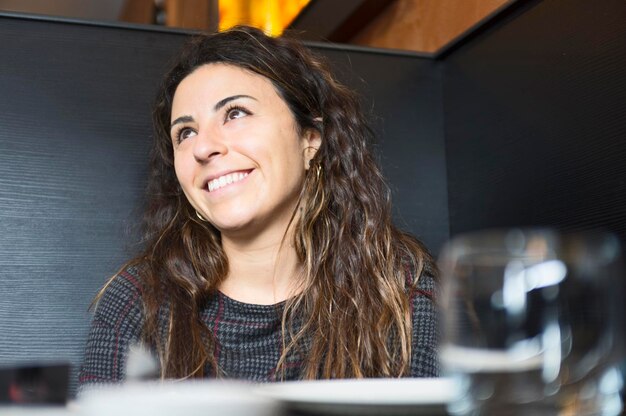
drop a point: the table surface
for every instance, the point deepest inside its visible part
(74, 410)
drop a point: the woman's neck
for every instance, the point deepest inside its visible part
(263, 271)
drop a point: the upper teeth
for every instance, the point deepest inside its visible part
(222, 181)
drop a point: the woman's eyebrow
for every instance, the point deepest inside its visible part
(222, 103)
(183, 119)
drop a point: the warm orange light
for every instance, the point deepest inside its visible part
(272, 16)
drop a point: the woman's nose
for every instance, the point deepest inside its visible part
(209, 144)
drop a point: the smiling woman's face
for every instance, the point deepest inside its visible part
(238, 155)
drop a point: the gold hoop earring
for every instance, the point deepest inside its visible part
(318, 168)
(200, 217)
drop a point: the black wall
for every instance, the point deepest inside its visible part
(74, 138)
(403, 97)
(535, 119)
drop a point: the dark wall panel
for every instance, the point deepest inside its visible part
(402, 96)
(75, 133)
(74, 110)
(534, 119)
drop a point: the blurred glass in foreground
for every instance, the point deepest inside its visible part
(533, 322)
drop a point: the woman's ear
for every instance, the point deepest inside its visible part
(311, 142)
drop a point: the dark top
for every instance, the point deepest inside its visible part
(249, 338)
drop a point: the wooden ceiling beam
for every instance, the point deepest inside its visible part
(426, 25)
(138, 11)
(192, 14)
(336, 21)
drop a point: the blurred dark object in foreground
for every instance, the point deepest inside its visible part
(36, 384)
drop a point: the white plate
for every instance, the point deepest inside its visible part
(185, 398)
(414, 396)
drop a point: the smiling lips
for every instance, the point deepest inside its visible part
(225, 180)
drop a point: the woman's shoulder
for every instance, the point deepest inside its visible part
(421, 277)
(427, 283)
(121, 295)
(422, 284)
(126, 282)
(117, 323)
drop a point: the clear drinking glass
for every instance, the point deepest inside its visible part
(533, 322)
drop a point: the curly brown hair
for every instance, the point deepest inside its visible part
(353, 300)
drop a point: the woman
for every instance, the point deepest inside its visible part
(270, 252)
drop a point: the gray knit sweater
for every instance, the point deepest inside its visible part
(248, 336)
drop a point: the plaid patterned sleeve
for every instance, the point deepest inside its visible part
(117, 323)
(424, 360)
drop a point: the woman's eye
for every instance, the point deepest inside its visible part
(235, 113)
(184, 133)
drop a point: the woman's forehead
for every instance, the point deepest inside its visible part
(220, 78)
